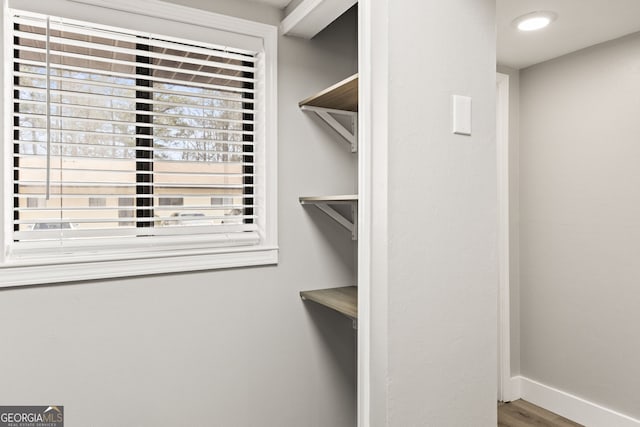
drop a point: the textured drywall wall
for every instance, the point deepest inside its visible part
(440, 202)
(580, 223)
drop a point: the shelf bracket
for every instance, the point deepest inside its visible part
(325, 206)
(337, 216)
(350, 135)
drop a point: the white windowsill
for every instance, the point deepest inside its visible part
(12, 275)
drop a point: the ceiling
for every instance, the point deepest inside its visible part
(580, 23)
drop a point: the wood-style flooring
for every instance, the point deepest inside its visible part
(520, 413)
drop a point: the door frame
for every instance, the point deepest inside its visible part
(505, 392)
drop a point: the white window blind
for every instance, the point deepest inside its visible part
(154, 127)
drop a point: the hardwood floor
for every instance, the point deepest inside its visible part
(521, 413)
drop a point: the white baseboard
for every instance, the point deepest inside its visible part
(515, 387)
(569, 406)
(510, 389)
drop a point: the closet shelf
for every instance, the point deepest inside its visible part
(342, 199)
(326, 203)
(344, 300)
(340, 99)
(341, 96)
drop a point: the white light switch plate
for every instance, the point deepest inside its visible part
(461, 115)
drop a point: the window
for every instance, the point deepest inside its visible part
(126, 138)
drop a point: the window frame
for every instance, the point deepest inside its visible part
(186, 253)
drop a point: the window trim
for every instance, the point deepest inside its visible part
(162, 260)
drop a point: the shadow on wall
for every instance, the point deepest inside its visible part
(339, 338)
(335, 236)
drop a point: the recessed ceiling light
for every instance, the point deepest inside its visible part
(535, 20)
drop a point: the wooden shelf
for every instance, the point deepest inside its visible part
(343, 300)
(342, 199)
(341, 96)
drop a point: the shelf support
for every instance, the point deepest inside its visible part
(350, 135)
(337, 216)
(324, 204)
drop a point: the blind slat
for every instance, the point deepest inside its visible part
(157, 173)
(154, 102)
(86, 220)
(110, 238)
(114, 145)
(121, 111)
(55, 196)
(56, 118)
(156, 90)
(191, 163)
(116, 208)
(111, 184)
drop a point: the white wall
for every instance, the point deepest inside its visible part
(580, 223)
(220, 348)
(439, 216)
